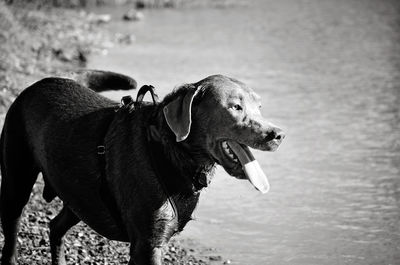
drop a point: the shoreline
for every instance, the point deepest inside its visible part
(62, 40)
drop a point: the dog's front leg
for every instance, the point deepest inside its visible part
(144, 254)
(146, 247)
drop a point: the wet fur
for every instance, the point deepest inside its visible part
(146, 186)
(75, 120)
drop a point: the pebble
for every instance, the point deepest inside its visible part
(215, 258)
(125, 38)
(133, 15)
(99, 18)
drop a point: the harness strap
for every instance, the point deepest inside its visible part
(129, 105)
(154, 150)
(142, 92)
(153, 135)
(105, 193)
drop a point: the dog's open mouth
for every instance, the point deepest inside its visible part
(240, 162)
(230, 155)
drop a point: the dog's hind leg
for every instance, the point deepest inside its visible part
(58, 227)
(19, 173)
(48, 192)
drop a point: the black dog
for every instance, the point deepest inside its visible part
(131, 173)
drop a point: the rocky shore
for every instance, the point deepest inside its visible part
(35, 43)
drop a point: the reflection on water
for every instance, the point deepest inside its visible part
(329, 74)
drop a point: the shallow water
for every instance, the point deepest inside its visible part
(329, 74)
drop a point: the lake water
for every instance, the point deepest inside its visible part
(329, 75)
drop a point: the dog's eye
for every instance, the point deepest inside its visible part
(237, 107)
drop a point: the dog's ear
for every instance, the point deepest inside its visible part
(178, 114)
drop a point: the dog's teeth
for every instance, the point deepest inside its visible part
(225, 147)
(229, 151)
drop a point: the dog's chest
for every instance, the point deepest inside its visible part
(185, 206)
(173, 215)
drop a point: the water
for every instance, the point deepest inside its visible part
(329, 74)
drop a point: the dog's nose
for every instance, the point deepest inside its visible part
(275, 134)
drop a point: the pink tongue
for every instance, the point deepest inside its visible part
(250, 166)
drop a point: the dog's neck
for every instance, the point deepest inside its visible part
(195, 167)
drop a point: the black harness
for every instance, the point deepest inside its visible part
(127, 104)
(156, 152)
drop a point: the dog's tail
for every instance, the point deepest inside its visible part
(100, 81)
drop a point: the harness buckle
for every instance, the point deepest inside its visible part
(101, 150)
(126, 103)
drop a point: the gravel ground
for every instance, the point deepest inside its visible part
(34, 44)
(83, 245)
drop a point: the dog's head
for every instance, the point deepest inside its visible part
(227, 120)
